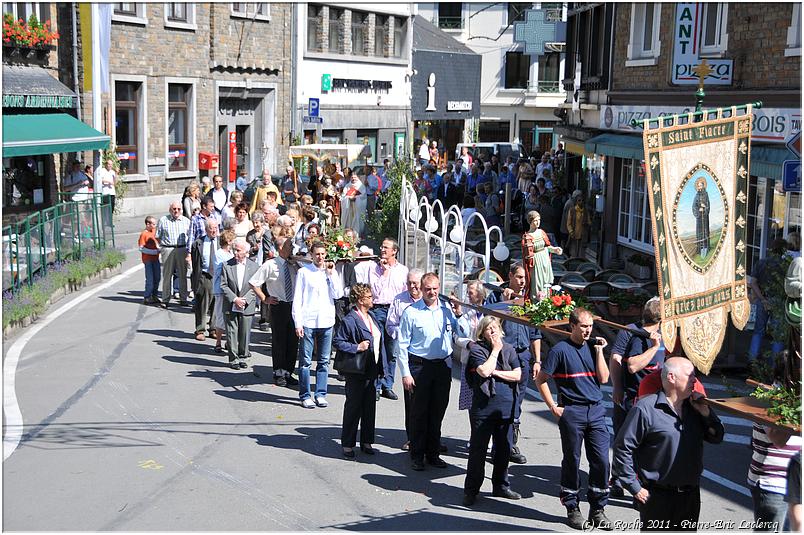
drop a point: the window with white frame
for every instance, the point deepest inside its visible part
(128, 102)
(634, 222)
(380, 35)
(714, 39)
(24, 10)
(178, 127)
(251, 10)
(644, 43)
(131, 12)
(180, 15)
(794, 33)
(313, 26)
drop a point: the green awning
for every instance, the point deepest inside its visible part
(767, 160)
(621, 146)
(26, 135)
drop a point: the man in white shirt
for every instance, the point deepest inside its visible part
(279, 277)
(313, 311)
(543, 165)
(218, 193)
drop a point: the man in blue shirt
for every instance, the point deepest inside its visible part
(581, 416)
(473, 180)
(527, 342)
(426, 333)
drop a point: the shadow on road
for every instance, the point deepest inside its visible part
(421, 520)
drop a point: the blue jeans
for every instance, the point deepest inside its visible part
(760, 325)
(770, 510)
(323, 347)
(153, 276)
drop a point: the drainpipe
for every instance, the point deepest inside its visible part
(76, 85)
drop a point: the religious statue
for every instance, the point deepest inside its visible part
(536, 258)
(700, 209)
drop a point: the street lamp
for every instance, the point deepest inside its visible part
(501, 252)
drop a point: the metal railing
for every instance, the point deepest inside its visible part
(61, 232)
(450, 23)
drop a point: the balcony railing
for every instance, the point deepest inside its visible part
(450, 23)
(548, 87)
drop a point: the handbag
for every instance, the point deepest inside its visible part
(351, 363)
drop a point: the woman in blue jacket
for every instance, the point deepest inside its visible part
(358, 333)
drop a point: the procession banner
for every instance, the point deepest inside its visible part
(697, 176)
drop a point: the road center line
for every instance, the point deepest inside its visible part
(13, 416)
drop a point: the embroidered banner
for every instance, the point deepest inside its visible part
(697, 176)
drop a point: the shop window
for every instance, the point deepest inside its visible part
(634, 221)
(180, 15)
(251, 10)
(128, 99)
(359, 29)
(25, 181)
(178, 125)
(644, 46)
(400, 37)
(516, 11)
(492, 131)
(548, 73)
(130, 12)
(24, 10)
(331, 136)
(380, 35)
(517, 66)
(714, 39)
(313, 28)
(335, 30)
(450, 15)
(794, 33)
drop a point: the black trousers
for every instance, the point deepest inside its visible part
(483, 429)
(360, 407)
(670, 510)
(429, 404)
(202, 306)
(408, 397)
(284, 342)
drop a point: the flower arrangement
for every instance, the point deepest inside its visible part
(339, 247)
(556, 306)
(33, 34)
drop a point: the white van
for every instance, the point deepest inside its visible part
(485, 150)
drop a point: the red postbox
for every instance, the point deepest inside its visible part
(232, 156)
(208, 161)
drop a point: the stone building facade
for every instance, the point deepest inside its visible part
(191, 78)
(640, 74)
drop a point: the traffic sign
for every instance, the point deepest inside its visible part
(313, 120)
(791, 175)
(313, 107)
(794, 144)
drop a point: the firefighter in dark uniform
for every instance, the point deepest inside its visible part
(526, 341)
(578, 367)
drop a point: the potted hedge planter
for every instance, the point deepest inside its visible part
(639, 266)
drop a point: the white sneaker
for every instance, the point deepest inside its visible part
(308, 403)
(321, 402)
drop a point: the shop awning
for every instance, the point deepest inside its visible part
(621, 146)
(767, 160)
(27, 135)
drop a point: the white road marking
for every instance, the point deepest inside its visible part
(736, 487)
(13, 416)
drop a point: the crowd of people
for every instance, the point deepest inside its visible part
(270, 260)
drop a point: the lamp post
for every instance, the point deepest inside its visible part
(501, 252)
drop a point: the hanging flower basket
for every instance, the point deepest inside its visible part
(26, 39)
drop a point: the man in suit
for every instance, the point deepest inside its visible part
(448, 190)
(239, 302)
(202, 254)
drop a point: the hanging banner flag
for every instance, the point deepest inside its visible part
(698, 182)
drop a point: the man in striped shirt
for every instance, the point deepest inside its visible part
(171, 235)
(771, 451)
(578, 367)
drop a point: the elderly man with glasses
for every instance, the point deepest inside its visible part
(172, 232)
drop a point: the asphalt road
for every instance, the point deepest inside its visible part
(128, 423)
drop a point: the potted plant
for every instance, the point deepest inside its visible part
(639, 266)
(26, 38)
(556, 306)
(626, 304)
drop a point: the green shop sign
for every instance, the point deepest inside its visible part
(38, 101)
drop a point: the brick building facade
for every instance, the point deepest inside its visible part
(627, 54)
(184, 78)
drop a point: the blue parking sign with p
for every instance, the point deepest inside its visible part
(313, 107)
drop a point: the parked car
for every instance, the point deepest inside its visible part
(485, 150)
